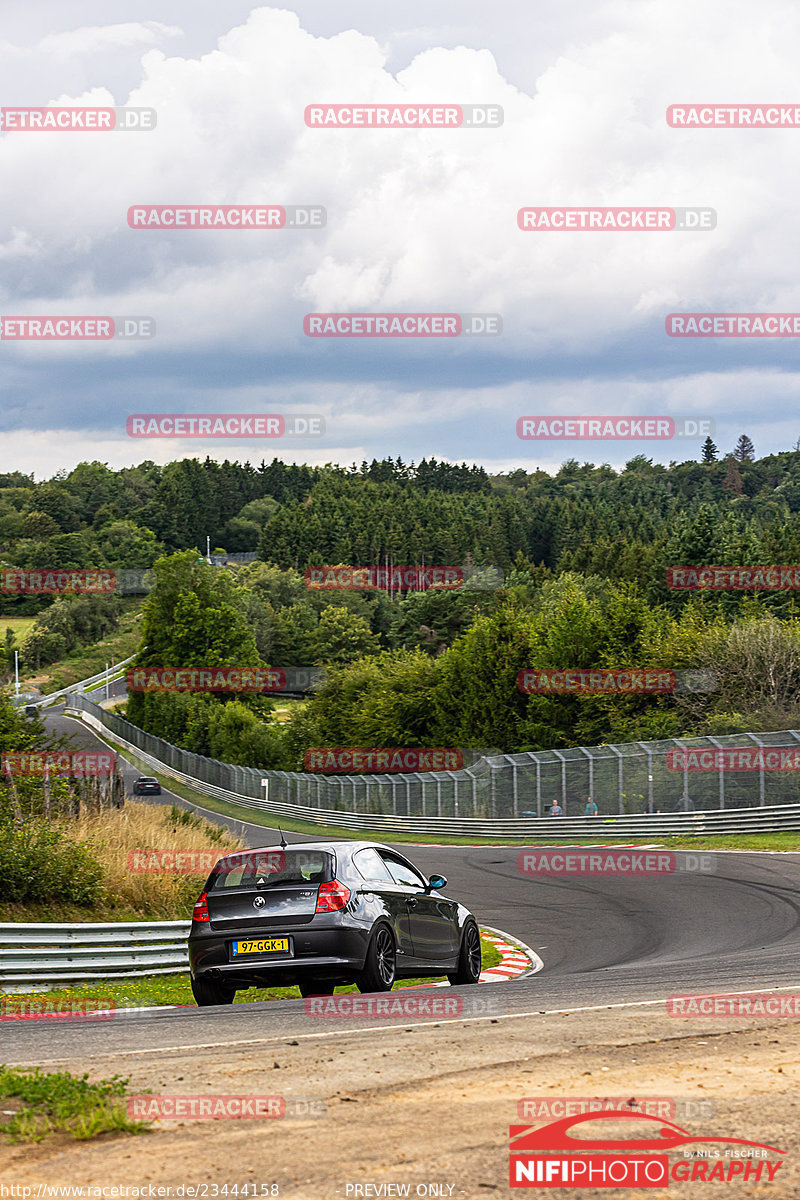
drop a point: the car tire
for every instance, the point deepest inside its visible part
(208, 991)
(380, 964)
(469, 956)
(321, 987)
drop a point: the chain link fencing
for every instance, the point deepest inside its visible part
(629, 779)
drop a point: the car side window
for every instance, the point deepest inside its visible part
(402, 874)
(370, 864)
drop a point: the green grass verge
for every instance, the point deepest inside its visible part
(789, 841)
(174, 989)
(21, 627)
(37, 1104)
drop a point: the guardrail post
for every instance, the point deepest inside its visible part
(760, 744)
(591, 771)
(474, 792)
(621, 808)
(514, 790)
(680, 744)
(649, 754)
(563, 762)
(538, 788)
(438, 796)
(720, 774)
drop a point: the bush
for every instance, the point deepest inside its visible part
(39, 864)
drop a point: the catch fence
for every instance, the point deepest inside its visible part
(626, 780)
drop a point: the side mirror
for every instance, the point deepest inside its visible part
(436, 881)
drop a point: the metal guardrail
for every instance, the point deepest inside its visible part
(770, 818)
(48, 954)
(111, 676)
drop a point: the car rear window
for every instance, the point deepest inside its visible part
(272, 868)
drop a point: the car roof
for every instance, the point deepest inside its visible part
(330, 847)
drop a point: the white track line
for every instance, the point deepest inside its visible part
(295, 1036)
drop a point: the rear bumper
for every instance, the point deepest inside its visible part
(333, 953)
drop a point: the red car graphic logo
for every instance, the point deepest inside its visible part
(525, 1139)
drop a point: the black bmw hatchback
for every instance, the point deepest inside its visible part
(146, 785)
(318, 914)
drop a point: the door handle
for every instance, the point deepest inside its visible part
(411, 903)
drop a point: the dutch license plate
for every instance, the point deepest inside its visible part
(261, 946)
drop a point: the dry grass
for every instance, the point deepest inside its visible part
(115, 836)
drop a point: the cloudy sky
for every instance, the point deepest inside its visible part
(417, 221)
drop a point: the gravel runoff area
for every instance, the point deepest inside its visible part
(428, 1106)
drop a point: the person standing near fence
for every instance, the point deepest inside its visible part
(556, 810)
(685, 803)
(591, 808)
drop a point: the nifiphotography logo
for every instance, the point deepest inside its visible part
(552, 1156)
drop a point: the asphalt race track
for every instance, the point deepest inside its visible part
(604, 940)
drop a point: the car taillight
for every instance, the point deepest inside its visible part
(332, 896)
(200, 910)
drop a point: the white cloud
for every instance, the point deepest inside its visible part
(95, 39)
(416, 220)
